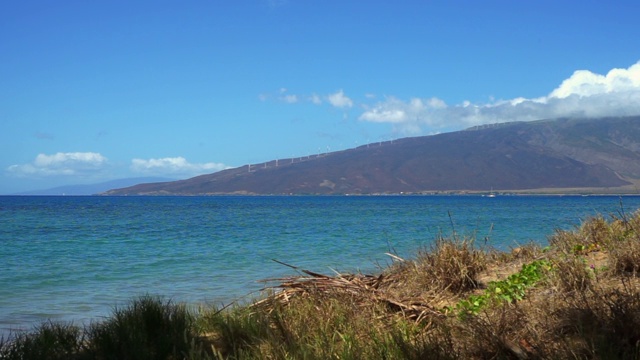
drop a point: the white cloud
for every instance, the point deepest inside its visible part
(337, 99)
(391, 110)
(289, 98)
(174, 166)
(281, 95)
(584, 94)
(314, 98)
(584, 83)
(71, 163)
(340, 100)
(396, 111)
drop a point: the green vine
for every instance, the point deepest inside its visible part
(510, 290)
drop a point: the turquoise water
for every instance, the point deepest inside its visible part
(74, 258)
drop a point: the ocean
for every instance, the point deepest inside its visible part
(75, 258)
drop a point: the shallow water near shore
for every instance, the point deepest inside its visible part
(74, 258)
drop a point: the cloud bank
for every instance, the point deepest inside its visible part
(173, 166)
(584, 94)
(61, 164)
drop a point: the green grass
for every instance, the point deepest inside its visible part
(148, 328)
(47, 341)
(578, 298)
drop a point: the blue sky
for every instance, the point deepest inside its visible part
(98, 90)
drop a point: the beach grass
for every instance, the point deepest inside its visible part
(577, 298)
(147, 328)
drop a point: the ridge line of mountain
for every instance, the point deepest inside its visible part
(595, 155)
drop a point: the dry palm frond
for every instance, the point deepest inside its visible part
(364, 289)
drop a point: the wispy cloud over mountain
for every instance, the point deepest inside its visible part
(584, 94)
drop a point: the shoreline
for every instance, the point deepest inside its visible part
(454, 298)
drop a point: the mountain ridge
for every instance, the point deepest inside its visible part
(545, 154)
